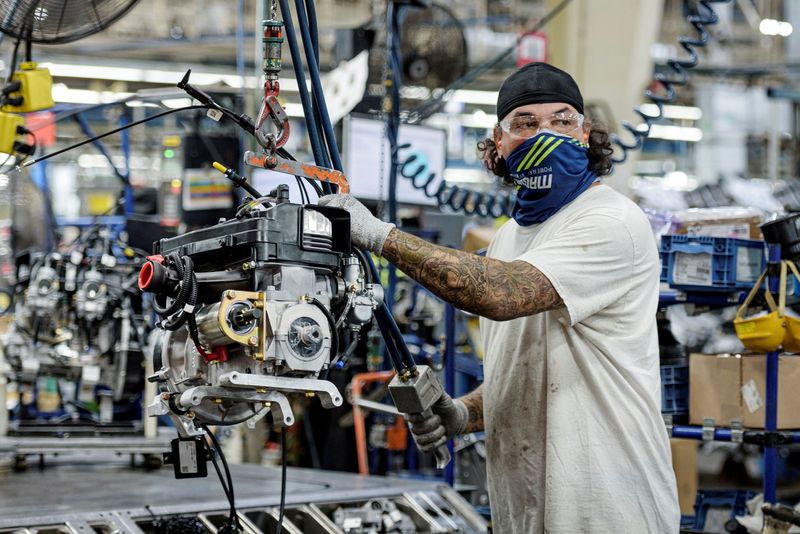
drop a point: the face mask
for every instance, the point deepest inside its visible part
(550, 171)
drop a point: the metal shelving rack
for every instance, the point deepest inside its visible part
(770, 438)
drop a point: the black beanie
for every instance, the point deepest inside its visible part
(537, 83)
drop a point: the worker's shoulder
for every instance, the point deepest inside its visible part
(604, 203)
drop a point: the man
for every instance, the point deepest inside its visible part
(567, 296)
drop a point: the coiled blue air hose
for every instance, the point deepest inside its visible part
(706, 16)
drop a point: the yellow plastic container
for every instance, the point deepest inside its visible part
(762, 334)
(791, 340)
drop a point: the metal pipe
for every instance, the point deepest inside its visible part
(696, 432)
(450, 376)
(771, 401)
(770, 424)
(358, 383)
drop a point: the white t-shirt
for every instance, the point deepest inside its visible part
(575, 441)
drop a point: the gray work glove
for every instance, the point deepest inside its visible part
(449, 419)
(367, 231)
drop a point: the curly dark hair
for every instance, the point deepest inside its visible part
(600, 152)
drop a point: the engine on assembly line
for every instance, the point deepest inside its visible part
(255, 308)
(74, 335)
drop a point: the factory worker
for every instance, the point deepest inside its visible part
(567, 295)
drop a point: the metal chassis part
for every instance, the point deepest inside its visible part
(268, 391)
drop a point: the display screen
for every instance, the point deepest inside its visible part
(361, 151)
(361, 157)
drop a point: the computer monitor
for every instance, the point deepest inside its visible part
(361, 150)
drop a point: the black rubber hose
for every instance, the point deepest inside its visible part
(282, 506)
(332, 323)
(364, 265)
(175, 322)
(305, 98)
(389, 328)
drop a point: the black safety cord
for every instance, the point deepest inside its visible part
(112, 132)
(233, 519)
(282, 506)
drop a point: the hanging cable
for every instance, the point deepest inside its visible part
(112, 132)
(297, 65)
(705, 16)
(29, 46)
(12, 66)
(392, 84)
(316, 83)
(401, 358)
(312, 18)
(282, 506)
(233, 519)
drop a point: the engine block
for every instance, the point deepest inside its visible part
(253, 309)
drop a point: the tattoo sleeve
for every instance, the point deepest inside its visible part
(494, 289)
(474, 403)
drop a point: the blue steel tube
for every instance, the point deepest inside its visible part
(126, 152)
(696, 432)
(770, 424)
(450, 376)
(771, 404)
(720, 434)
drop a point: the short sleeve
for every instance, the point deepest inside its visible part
(590, 264)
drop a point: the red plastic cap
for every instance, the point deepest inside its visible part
(146, 275)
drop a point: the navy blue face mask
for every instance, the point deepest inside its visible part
(550, 171)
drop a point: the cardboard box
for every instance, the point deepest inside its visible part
(753, 390)
(738, 222)
(684, 463)
(732, 387)
(715, 381)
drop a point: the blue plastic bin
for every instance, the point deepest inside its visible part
(733, 500)
(719, 264)
(674, 389)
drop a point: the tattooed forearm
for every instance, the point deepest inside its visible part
(491, 288)
(474, 403)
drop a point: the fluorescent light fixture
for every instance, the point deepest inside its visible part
(469, 96)
(466, 96)
(141, 104)
(679, 180)
(174, 103)
(128, 74)
(689, 113)
(775, 27)
(469, 176)
(63, 94)
(673, 133)
(478, 119)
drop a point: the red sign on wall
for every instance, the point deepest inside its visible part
(531, 48)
